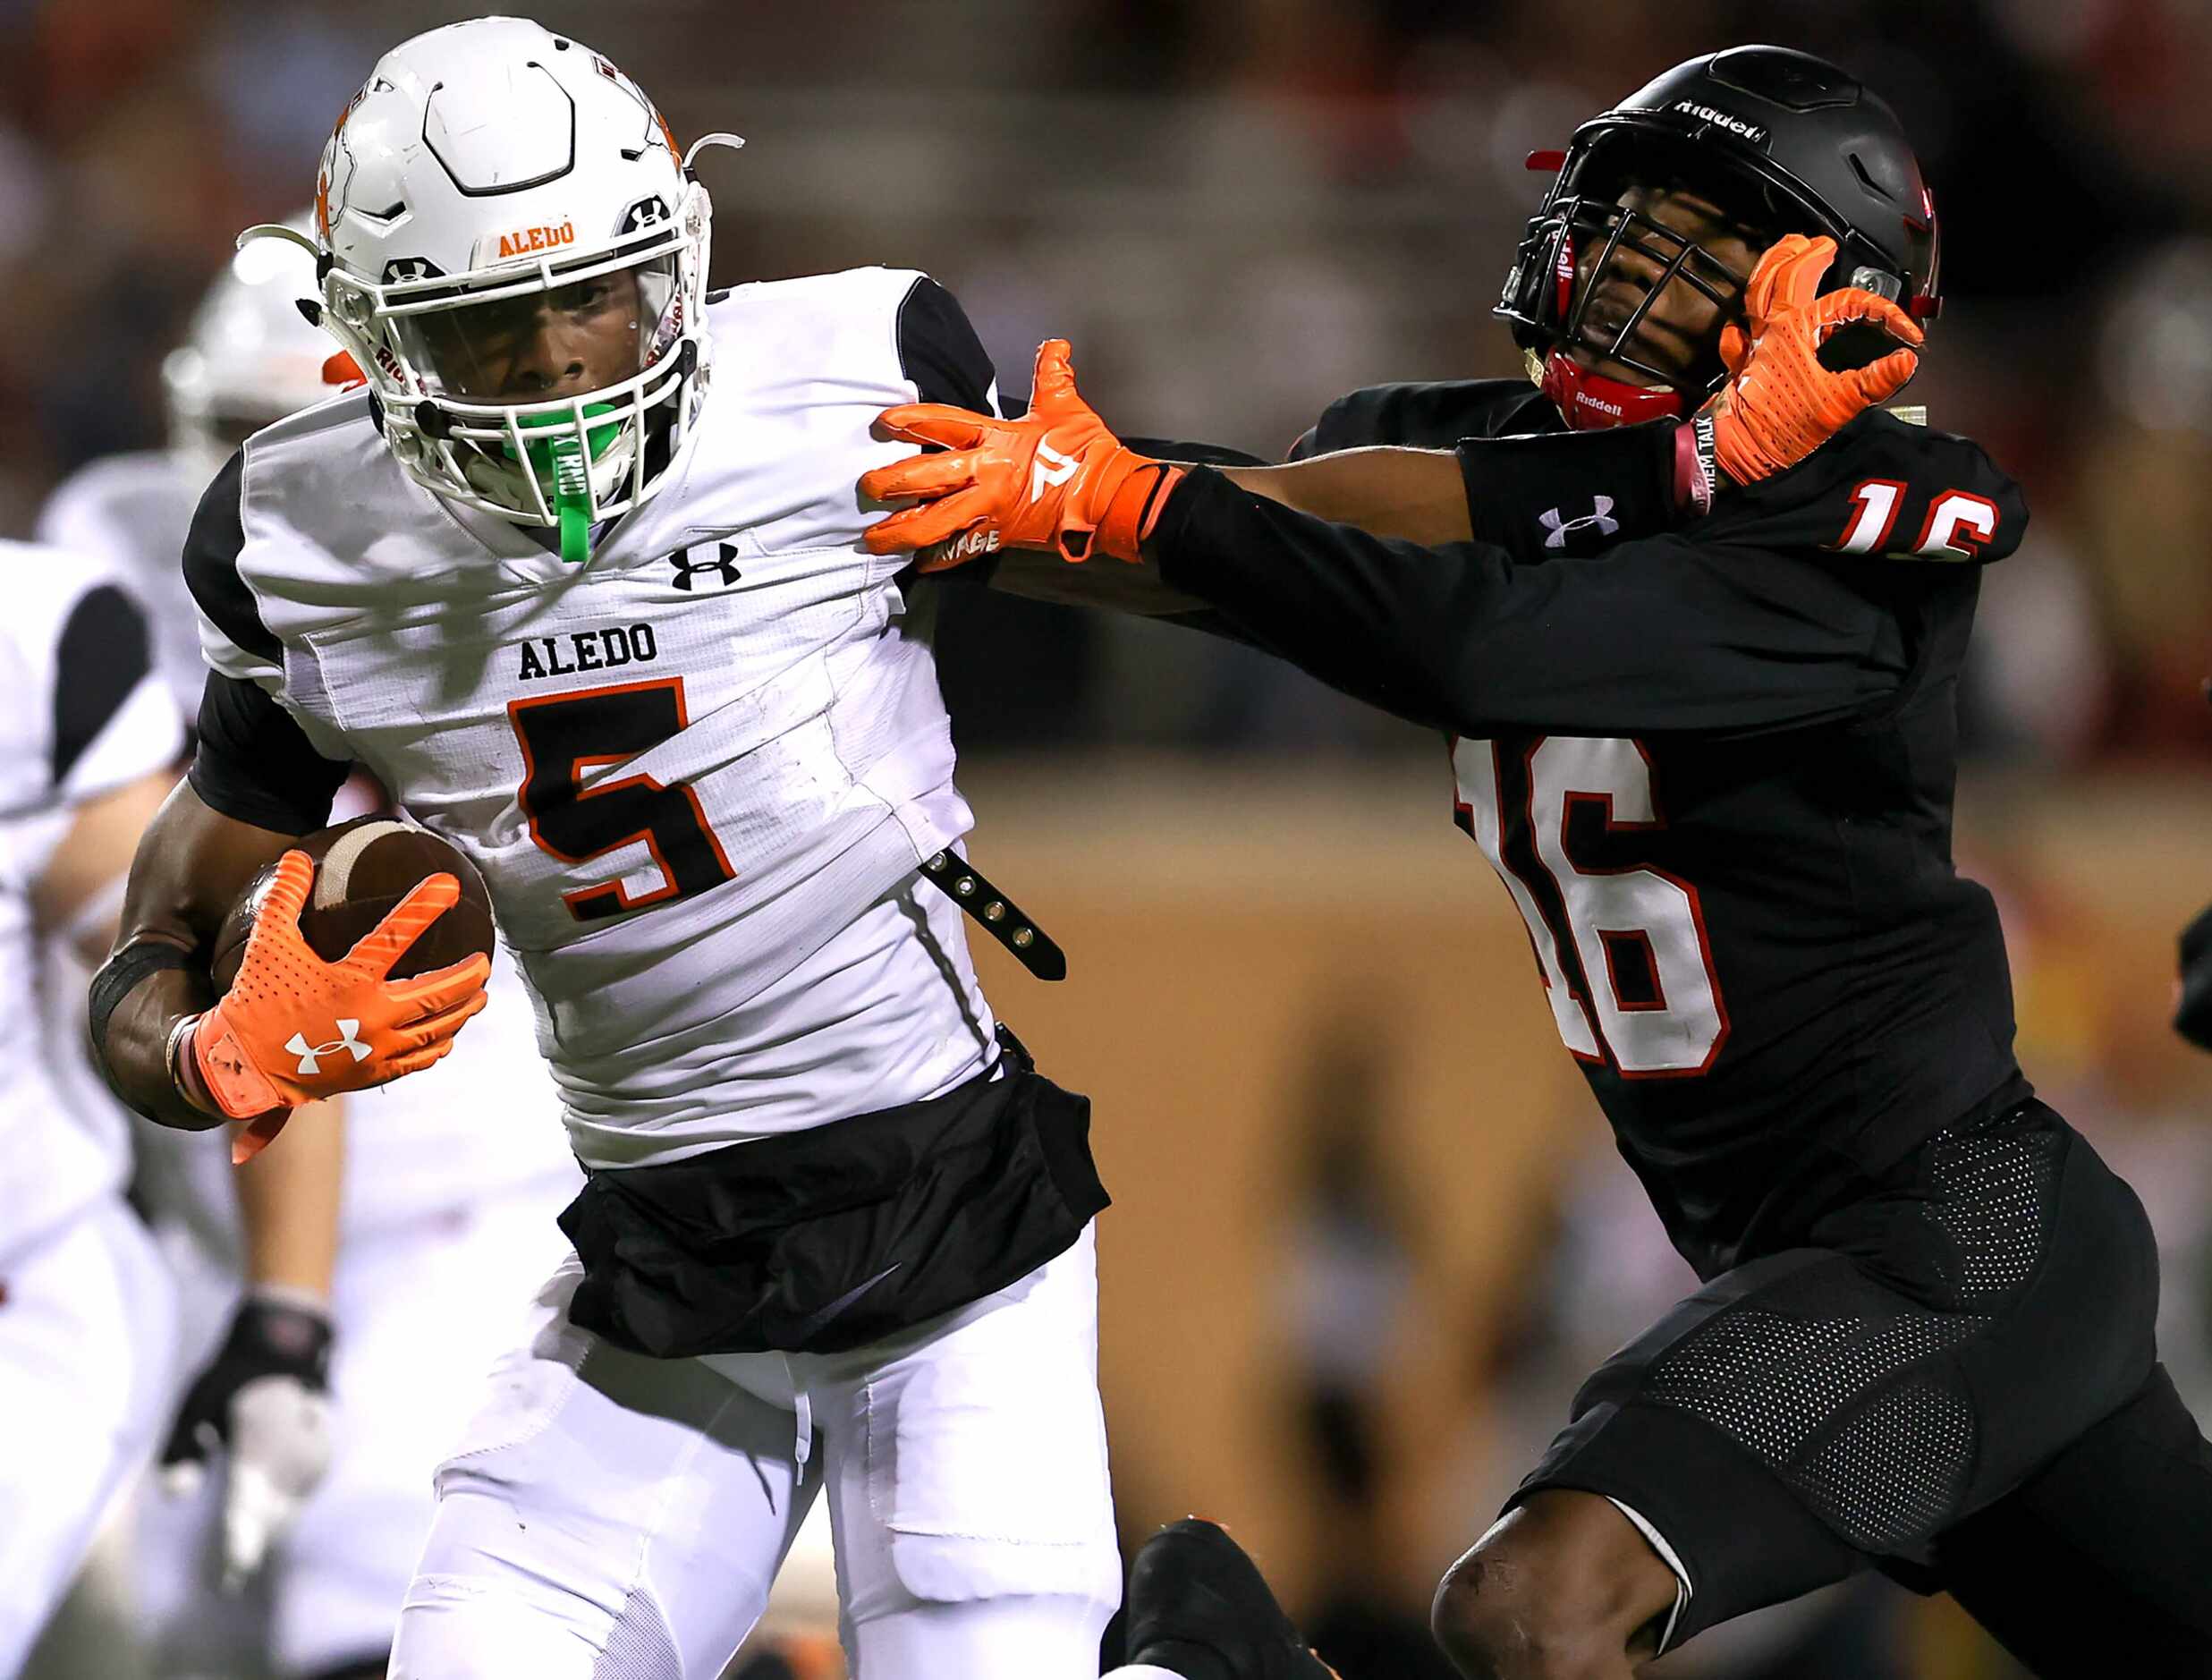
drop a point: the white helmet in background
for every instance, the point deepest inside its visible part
(250, 357)
(486, 172)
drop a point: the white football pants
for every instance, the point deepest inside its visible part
(615, 1518)
(86, 1320)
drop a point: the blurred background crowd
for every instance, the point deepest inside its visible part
(1239, 209)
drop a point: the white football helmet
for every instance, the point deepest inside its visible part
(489, 172)
(250, 357)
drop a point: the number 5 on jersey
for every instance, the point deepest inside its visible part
(1673, 1022)
(565, 737)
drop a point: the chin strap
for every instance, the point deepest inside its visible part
(1588, 402)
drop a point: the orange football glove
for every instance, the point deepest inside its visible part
(294, 1028)
(1055, 479)
(1780, 404)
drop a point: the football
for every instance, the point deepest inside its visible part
(362, 870)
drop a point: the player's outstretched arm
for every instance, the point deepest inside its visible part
(1056, 479)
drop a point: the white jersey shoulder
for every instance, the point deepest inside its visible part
(80, 710)
(133, 511)
(685, 766)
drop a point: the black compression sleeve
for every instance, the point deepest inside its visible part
(1192, 455)
(256, 764)
(1555, 493)
(1657, 636)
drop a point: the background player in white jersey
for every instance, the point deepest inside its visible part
(609, 628)
(87, 735)
(457, 1175)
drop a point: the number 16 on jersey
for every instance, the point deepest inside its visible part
(1672, 1020)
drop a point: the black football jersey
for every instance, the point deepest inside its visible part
(1713, 767)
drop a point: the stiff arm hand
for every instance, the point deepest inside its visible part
(1055, 479)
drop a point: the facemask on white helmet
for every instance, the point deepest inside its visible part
(515, 253)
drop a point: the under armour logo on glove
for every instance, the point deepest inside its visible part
(1559, 525)
(723, 566)
(310, 1054)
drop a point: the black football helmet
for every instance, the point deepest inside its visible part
(1788, 143)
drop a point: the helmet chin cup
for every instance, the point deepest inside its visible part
(1590, 401)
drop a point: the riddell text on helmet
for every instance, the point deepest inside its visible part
(1751, 130)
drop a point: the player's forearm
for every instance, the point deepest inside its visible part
(136, 1049)
(1385, 620)
(1137, 590)
(193, 864)
(1414, 494)
(1538, 497)
(288, 1198)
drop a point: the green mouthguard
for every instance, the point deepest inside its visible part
(565, 475)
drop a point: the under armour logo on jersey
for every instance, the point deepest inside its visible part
(311, 1055)
(1050, 468)
(723, 565)
(1558, 525)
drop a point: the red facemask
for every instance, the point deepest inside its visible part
(1588, 403)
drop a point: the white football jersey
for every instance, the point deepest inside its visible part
(82, 714)
(699, 771)
(132, 511)
(483, 1117)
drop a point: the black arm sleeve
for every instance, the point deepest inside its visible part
(1550, 496)
(1194, 454)
(1658, 636)
(256, 764)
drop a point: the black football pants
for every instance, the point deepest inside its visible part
(2101, 1563)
